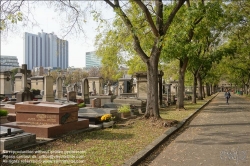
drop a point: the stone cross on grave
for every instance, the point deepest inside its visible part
(25, 73)
(120, 89)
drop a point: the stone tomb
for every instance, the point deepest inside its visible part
(47, 119)
(12, 138)
(94, 114)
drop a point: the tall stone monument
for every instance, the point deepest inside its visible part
(48, 89)
(59, 87)
(24, 94)
(85, 91)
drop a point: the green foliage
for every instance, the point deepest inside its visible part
(3, 112)
(13, 73)
(81, 105)
(124, 109)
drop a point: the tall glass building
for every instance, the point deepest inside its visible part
(45, 50)
(92, 60)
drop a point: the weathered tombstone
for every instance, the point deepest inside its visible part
(96, 85)
(125, 85)
(59, 88)
(105, 89)
(141, 78)
(64, 90)
(37, 82)
(96, 103)
(48, 89)
(109, 89)
(167, 92)
(24, 94)
(68, 88)
(120, 89)
(71, 96)
(75, 88)
(94, 89)
(18, 82)
(6, 83)
(85, 91)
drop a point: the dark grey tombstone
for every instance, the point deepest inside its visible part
(71, 96)
(75, 88)
(64, 90)
(85, 91)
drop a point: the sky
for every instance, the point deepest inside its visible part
(49, 22)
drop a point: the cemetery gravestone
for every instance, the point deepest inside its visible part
(24, 94)
(96, 103)
(94, 88)
(71, 96)
(75, 88)
(96, 85)
(85, 91)
(48, 89)
(59, 88)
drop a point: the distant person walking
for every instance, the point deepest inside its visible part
(227, 95)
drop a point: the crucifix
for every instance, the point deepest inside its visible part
(24, 72)
(120, 89)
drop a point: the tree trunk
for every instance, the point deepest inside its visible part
(211, 89)
(208, 89)
(199, 87)
(181, 88)
(152, 109)
(194, 88)
(203, 92)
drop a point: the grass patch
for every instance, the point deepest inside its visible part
(111, 146)
(171, 113)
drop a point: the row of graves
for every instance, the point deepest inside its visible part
(54, 114)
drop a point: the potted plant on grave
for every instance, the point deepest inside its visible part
(80, 103)
(3, 116)
(125, 111)
(107, 120)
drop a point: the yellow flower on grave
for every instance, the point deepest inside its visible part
(107, 118)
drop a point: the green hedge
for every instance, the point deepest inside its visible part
(3, 112)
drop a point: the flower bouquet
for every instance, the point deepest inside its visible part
(107, 120)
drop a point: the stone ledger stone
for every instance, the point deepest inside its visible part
(12, 138)
(12, 142)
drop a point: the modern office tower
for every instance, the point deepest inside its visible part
(92, 60)
(45, 50)
(8, 63)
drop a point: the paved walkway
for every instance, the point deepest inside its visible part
(218, 136)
